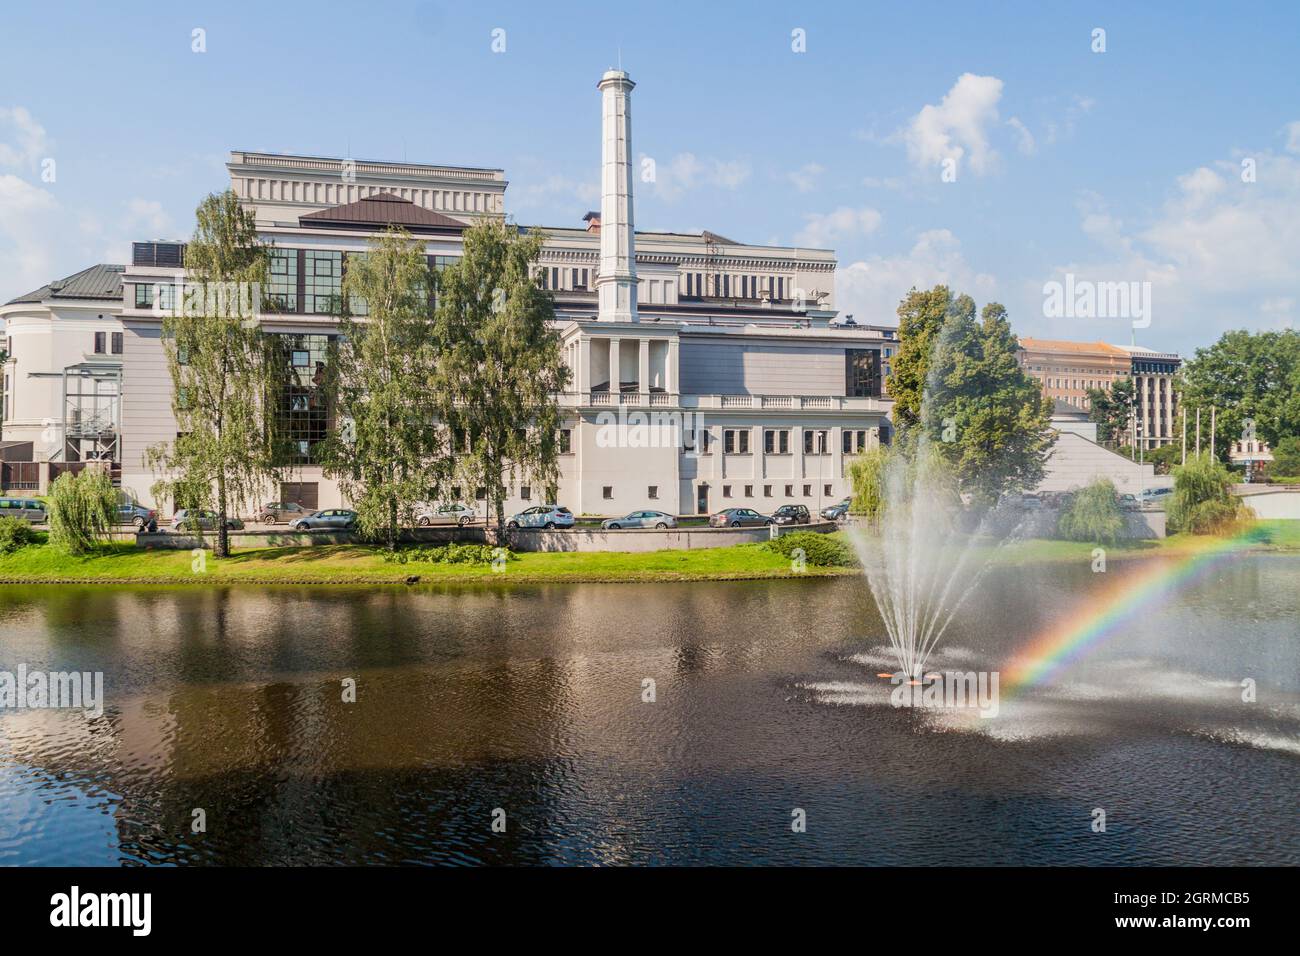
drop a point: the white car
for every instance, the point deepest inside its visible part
(450, 513)
(548, 517)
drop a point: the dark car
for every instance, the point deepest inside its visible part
(136, 514)
(791, 514)
(330, 519)
(738, 518)
(185, 520)
(273, 512)
(838, 511)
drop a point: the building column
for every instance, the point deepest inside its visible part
(615, 373)
(670, 366)
(643, 368)
(582, 377)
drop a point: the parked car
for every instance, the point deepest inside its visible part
(134, 513)
(452, 513)
(186, 520)
(791, 514)
(542, 516)
(838, 511)
(738, 518)
(641, 519)
(330, 519)
(29, 509)
(274, 512)
(1129, 501)
(1156, 494)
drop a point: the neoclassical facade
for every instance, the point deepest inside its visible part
(705, 372)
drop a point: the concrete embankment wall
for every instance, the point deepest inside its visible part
(579, 539)
(1271, 504)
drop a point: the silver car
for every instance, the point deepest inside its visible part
(641, 519)
(330, 519)
(29, 509)
(453, 513)
(542, 516)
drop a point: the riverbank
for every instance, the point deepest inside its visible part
(123, 563)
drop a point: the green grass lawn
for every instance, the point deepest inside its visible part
(349, 564)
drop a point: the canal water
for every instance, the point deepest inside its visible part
(728, 723)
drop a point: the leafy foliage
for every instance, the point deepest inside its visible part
(822, 550)
(82, 509)
(1286, 457)
(15, 534)
(453, 553)
(1202, 502)
(500, 367)
(1165, 458)
(1111, 409)
(389, 454)
(1246, 375)
(867, 476)
(1093, 514)
(225, 372)
(981, 412)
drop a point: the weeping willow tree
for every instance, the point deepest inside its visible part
(499, 369)
(82, 508)
(388, 453)
(224, 371)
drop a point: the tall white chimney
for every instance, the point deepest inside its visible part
(616, 284)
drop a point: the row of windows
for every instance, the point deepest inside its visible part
(767, 491)
(557, 279)
(725, 286)
(102, 340)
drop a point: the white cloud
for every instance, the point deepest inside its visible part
(23, 143)
(870, 289)
(1219, 253)
(1293, 137)
(147, 215)
(556, 190)
(685, 172)
(958, 127)
(805, 177)
(1026, 142)
(823, 230)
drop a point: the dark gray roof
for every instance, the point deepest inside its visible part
(103, 281)
(382, 209)
(1062, 409)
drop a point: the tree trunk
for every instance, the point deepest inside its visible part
(222, 549)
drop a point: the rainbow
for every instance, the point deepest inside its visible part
(1101, 616)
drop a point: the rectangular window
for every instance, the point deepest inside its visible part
(826, 491)
(117, 343)
(566, 441)
(706, 442)
(815, 441)
(807, 491)
(749, 491)
(323, 285)
(525, 492)
(607, 492)
(143, 296)
(776, 441)
(652, 492)
(282, 281)
(99, 343)
(735, 441)
(726, 491)
(789, 491)
(862, 373)
(767, 491)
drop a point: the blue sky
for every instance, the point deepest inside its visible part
(1119, 166)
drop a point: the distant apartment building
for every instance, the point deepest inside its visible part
(705, 372)
(1066, 370)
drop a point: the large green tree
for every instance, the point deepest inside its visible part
(1111, 408)
(957, 382)
(500, 369)
(224, 371)
(1245, 375)
(386, 449)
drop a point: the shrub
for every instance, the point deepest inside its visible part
(1093, 514)
(1202, 502)
(867, 475)
(15, 533)
(82, 510)
(823, 550)
(1286, 457)
(454, 553)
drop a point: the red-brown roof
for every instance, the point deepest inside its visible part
(382, 209)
